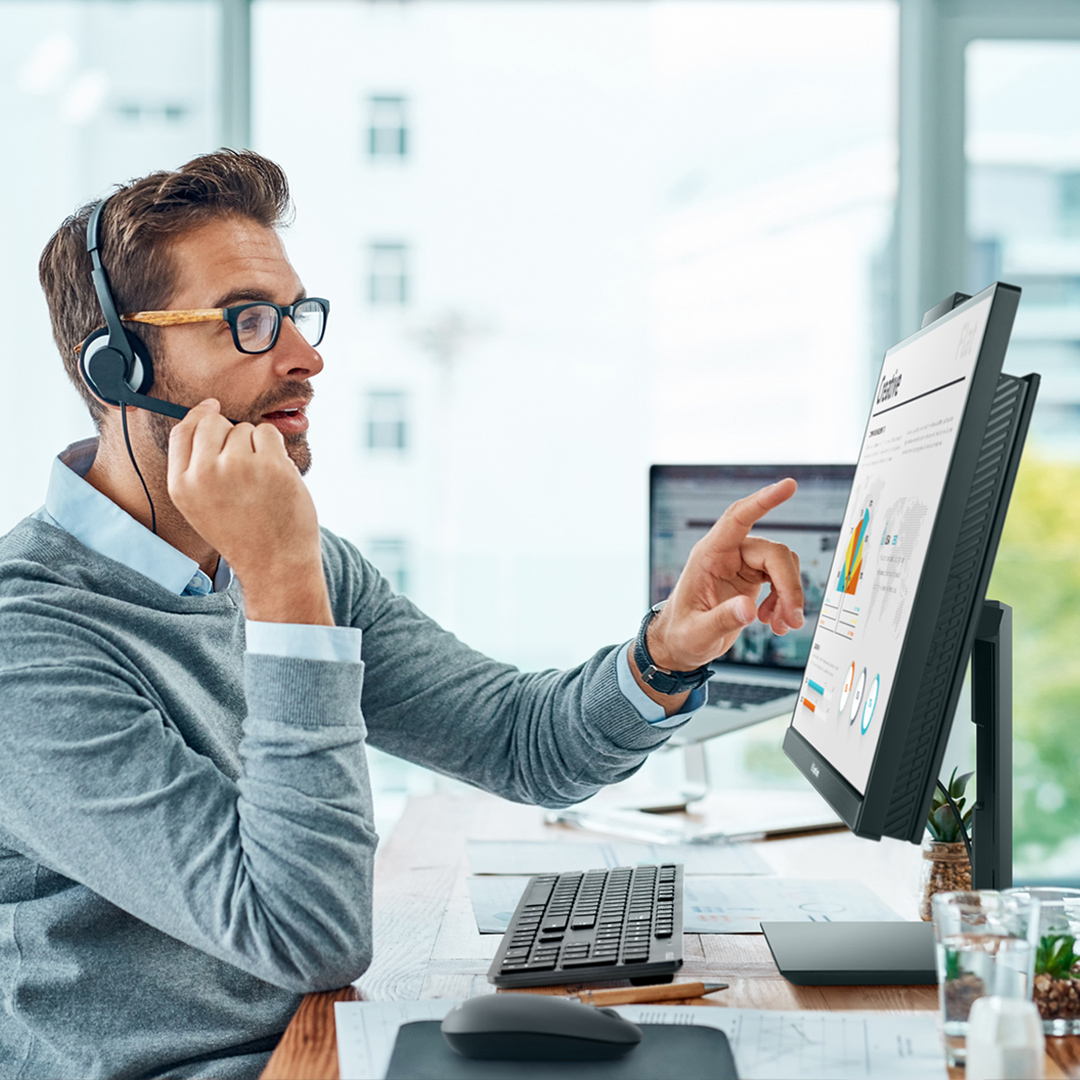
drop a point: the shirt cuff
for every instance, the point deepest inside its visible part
(304, 642)
(649, 710)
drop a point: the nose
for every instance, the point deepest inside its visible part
(292, 355)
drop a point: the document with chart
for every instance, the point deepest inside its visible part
(905, 458)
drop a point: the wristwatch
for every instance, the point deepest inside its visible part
(664, 682)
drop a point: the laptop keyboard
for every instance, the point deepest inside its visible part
(731, 695)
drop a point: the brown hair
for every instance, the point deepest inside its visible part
(136, 229)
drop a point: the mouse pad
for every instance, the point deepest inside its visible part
(666, 1052)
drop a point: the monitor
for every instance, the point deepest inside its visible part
(758, 677)
(684, 504)
(907, 582)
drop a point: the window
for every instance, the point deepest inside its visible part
(388, 135)
(83, 119)
(171, 112)
(1023, 207)
(389, 555)
(386, 427)
(388, 281)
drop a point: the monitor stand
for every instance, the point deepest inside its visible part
(902, 953)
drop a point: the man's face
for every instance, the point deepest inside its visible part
(229, 261)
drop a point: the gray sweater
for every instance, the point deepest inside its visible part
(186, 833)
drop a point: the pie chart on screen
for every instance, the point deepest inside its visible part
(860, 686)
(849, 682)
(871, 702)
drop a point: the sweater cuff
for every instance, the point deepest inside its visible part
(649, 710)
(295, 691)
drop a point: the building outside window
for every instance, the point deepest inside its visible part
(386, 426)
(388, 133)
(390, 555)
(388, 277)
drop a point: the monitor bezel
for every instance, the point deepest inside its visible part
(865, 814)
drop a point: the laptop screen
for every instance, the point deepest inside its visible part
(686, 500)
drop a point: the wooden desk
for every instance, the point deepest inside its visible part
(427, 944)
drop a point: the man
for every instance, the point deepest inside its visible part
(190, 669)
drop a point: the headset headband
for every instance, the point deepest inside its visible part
(117, 337)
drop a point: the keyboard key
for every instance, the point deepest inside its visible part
(539, 893)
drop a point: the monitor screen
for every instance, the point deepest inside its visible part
(908, 579)
(686, 500)
(890, 516)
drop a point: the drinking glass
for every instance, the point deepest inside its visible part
(985, 943)
(1057, 983)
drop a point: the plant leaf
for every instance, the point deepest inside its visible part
(958, 784)
(952, 964)
(945, 822)
(1055, 955)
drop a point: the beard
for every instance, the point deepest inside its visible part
(296, 445)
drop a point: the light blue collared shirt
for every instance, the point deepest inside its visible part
(97, 522)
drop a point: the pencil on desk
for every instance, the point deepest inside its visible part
(645, 995)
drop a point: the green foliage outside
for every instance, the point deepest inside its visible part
(1038, 573)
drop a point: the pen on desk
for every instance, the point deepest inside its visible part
(646, 995)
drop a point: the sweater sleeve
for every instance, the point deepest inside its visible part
(550, 737)
(265, 871)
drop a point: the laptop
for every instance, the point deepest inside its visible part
(760, 676)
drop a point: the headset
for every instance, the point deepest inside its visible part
(115, 364)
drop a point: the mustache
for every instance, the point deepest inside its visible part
(270, 402)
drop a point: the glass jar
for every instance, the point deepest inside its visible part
(1057, 995)
(946, 868)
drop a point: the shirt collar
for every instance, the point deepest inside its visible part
(96, 521)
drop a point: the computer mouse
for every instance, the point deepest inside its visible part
(537, 1027)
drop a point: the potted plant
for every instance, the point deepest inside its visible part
(947, 867)
(1057, 980)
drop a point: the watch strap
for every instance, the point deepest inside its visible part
(664, 682)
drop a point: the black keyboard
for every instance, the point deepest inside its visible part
(598, 925)
(734, 695)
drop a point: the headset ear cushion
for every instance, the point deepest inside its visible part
(142, 377)
(138, 375)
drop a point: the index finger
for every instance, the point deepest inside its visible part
(182, 435)
(740, 517)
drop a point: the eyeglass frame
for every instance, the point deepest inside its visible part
(231, 315)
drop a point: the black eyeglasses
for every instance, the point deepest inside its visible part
(255, 326)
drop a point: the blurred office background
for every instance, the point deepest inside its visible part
(564, 239)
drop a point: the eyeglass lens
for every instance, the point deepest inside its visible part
(309, 318)
(257, 325)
